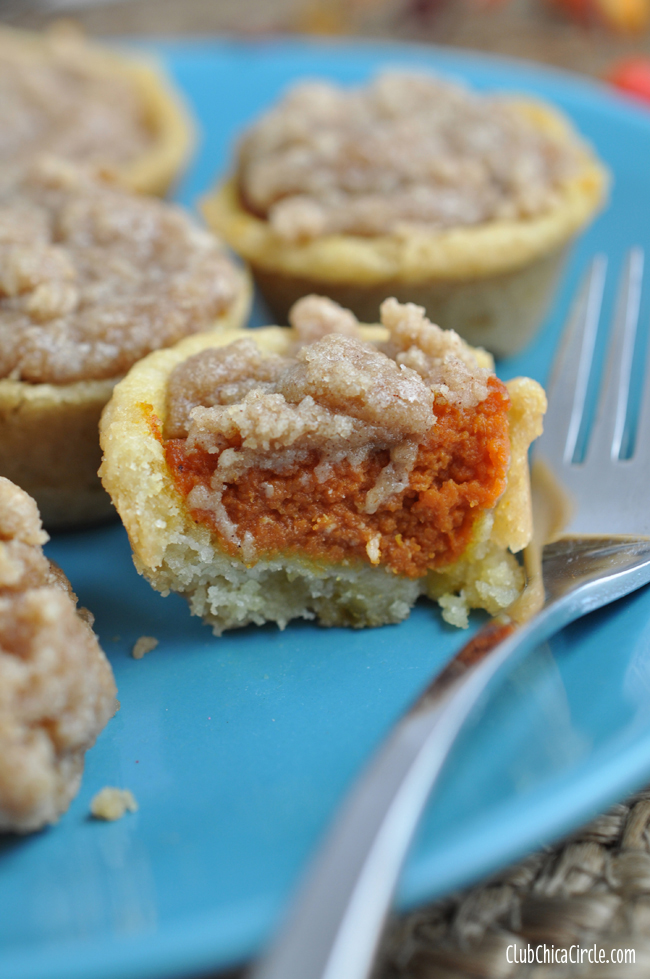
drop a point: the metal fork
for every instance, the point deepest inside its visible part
(602, 554)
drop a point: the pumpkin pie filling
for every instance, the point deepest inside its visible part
(460, 470)
(365, 459)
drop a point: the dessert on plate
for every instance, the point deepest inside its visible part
(331, 471)
(63, 95)
(57, 690)
(92, 277)
(411, 187)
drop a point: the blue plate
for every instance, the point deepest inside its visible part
(239, 749)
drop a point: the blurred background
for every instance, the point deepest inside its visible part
(589, 36)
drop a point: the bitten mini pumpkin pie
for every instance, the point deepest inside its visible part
(92, 278)
(62, 95)
(416, 188)
(57, 690)
(330, 471)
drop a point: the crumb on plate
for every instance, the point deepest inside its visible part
(143, 645)
(111, 803)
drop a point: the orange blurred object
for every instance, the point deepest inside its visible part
(627, 16)
(623, 16)
(332, 16)
(632, 75)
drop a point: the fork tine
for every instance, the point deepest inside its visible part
(607, 435)
(642, 446)
(567, 388)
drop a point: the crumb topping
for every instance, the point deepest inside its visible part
(93, 277)
(407, 151)
(56, 686)
(218, 376)
(313, 317)
(55, 98)
(22, 562)
(342, 424)
(442, 359)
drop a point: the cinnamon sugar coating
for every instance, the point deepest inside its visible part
(225, 375)
(93, 277)
(313, 317)
(392, 389)
(218, 376)
(55, 98)
(445, 363)
(407, 151)
(340, 411)
(56, 687)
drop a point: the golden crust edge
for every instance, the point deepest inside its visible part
(135, 473)
(477, 252)
(156, 170)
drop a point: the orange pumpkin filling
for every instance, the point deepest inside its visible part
(460, 471)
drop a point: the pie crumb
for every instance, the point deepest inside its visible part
(143, 645)
(111, 803)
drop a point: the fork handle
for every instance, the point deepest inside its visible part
(338, 916)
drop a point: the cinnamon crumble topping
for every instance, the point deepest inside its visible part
(341, 420)
(56, 687)
(407, 151)
(93, 277)
(55, 98)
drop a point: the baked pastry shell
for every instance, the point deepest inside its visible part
(49, 441)
(492, 283)
(164, 112)
(160, 527)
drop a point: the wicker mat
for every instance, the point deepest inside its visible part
(591, 890)
(589, 895)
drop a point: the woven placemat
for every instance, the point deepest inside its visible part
(591, 892)
(588, 896)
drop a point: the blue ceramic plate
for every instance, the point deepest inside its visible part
(239, 749)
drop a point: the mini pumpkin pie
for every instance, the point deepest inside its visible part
(61, 95)
(57, 690)
(92, 277)
(330, 471)
(415, 188)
